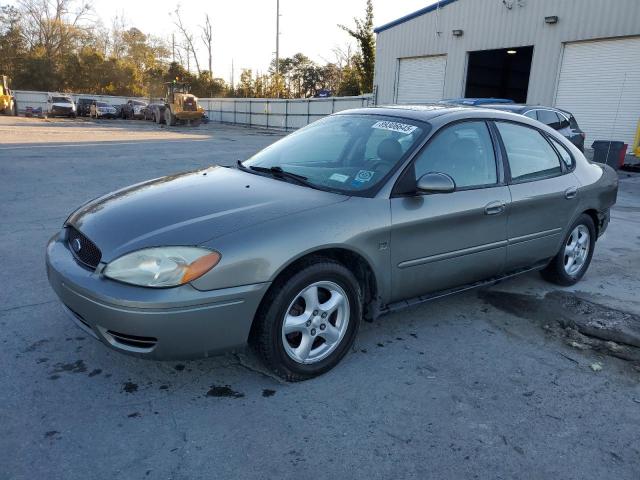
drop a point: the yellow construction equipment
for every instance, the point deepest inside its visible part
(181, 106)
(8, 105)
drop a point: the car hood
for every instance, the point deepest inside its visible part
(63, 104)
(189, 209)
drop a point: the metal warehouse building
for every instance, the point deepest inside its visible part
(579, 55)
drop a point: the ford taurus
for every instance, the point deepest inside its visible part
(358, 214)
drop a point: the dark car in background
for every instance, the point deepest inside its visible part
(561, 120)
(83, 107)
(133, 109)
(152, 112)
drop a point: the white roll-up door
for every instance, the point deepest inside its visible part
(600, 84)
(421, 79)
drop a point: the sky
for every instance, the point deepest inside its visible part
(244, 30)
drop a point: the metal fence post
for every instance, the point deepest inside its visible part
(249, 100)
(267, 113)
(234, 111)
(308, 110)
(333, 104)
(286, 115)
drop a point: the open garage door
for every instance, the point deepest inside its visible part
(421, 79)
(600, 84)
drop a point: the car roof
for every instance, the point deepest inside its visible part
(427, 112)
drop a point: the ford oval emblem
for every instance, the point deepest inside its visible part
(77, 246)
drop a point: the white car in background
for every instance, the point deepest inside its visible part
(102, 110)
(60, 105)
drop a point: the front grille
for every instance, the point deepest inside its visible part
(83, 249)
(135, 341)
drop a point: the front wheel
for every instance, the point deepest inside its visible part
(574, 257)
(307, 323)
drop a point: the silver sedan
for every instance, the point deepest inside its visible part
(358, 214)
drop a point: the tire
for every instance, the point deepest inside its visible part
(570, 263)
(196, 123)
(284, 299)
(169, 118)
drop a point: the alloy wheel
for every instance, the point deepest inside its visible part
(315, 322)
(576, 250)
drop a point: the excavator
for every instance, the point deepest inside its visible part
(8, 105)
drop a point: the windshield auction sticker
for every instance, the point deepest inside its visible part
(364, 176)
(394, 127)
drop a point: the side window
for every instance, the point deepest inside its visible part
(530, 156)
(564, 123)
(549, 118)
(531, 114)
(464, 151)
(564, 154)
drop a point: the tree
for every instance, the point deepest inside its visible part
(363, 33)
(246, 85)
(188, 38)
(207, 38)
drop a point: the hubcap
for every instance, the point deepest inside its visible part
(576, 250)
(315, 322)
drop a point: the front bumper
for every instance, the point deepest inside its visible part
(167, 323)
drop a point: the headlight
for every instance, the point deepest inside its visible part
(162, 266)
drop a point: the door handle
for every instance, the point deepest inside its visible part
(570, 193)
(494, 208)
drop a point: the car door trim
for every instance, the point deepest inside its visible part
(535, 236)
(453, 254)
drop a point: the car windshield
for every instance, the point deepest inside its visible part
(102, 104)
(345, 153)
(61, 100)
(136, 102)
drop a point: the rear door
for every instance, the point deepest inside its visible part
(543, 195)
(441, 241)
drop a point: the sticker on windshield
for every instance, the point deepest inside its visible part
(338, 177)
(364, 176)
(394, 127)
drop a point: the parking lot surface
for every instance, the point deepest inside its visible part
(479, 385)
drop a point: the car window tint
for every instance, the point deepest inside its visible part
(531, 114)
(530, 156)
(464, 151)
(564, 154)
(549, 118)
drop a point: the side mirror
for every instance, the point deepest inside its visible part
(435, 183)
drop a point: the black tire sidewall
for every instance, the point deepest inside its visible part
(274, 318)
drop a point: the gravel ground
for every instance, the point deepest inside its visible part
(472, 386)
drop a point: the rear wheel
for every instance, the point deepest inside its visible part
(307, 323)
(574, 257)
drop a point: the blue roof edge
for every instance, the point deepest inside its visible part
(411, 16)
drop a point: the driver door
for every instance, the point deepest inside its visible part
(446, 240)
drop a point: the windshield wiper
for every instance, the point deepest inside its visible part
(278, 172)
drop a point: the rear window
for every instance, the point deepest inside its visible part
(61, 100)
